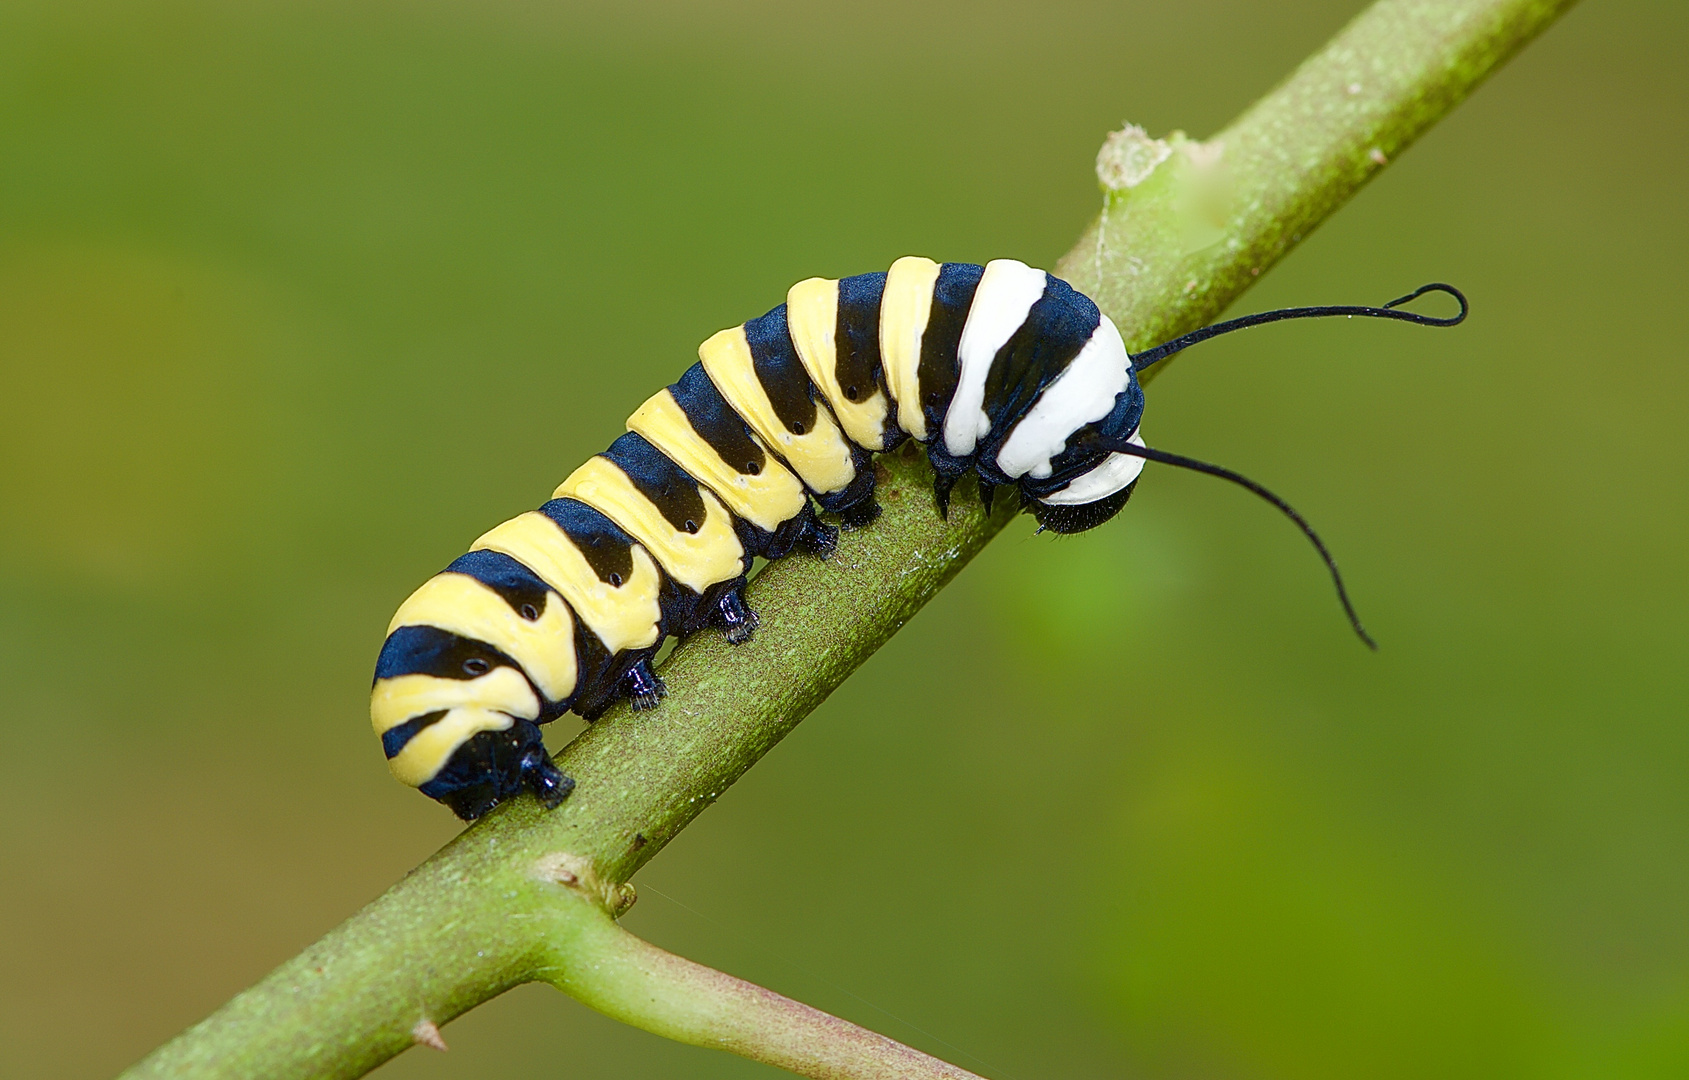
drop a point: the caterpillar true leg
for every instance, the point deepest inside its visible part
(816, 537)
(544, 779)
(644, 686)
(737, 621)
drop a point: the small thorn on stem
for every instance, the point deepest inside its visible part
(427, 1034)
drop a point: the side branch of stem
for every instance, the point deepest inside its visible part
(632, 980)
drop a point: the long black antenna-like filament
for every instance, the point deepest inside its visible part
(1162, 456)
(1388, 311)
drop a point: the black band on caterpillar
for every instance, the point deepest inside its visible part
(1001, 371)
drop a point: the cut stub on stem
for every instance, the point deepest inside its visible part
(427, 1033)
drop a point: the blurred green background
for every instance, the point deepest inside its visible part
(298, 298)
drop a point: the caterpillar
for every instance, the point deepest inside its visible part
(1002, 370)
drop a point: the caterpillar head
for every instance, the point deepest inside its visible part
(1101, 481)
(456, 720)
(1059, 518)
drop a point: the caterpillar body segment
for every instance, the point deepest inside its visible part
(999, 370)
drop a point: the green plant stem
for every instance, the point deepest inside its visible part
(530, 895)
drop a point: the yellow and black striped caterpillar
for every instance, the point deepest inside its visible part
(1000, 370)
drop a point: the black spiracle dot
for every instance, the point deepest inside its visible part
(616, 580)
(476, 666)
(797, 427)
(851, 392)
(529, 612)
(752, 468)
(690, 526)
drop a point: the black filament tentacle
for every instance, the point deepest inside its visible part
(1179, 460)
(1142, 360)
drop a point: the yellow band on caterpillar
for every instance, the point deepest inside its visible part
(697, 560)
(812, 315)
(820, 457)
(545, 647)
(765, 499)
(625, 617)
(404, 697)
(428, 751)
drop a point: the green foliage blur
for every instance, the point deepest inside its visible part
(296, 299)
